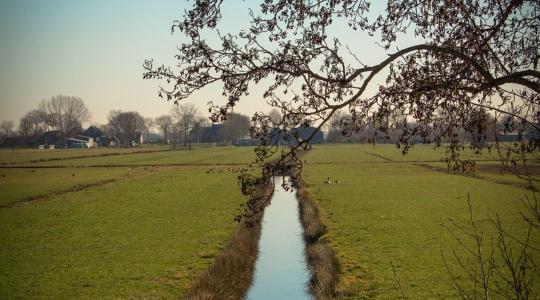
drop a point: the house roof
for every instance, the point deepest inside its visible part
(93, 131)
(81, 138)
(152, 137)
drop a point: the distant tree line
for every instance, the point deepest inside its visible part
(185, 124)
(64, 114)
(63, 117)
(479, 131)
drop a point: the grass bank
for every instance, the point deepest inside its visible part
(384, 213)
(149, 235)
(322, 262)
(231, 274)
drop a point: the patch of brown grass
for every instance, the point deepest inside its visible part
(231, 274)
(321, 259)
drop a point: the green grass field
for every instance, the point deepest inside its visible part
(148, 233)
(138, 224)
(17, 185)
(18, 156)
(384, 212)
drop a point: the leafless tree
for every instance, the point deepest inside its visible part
(149, 123)
(275, 116)
(25, 127)
(337, 127)
(164, 123)
(33, 123)
(494, 266)
(126, 126)
(199, 125)
(65, 113)
(234, 127)
(471, 57)
(6, 129)
(185, 116)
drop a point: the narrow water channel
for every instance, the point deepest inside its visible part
(281, 269)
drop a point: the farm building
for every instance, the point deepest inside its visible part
(51, 138)
(303, 133)
(246, 141)
(298, 134)
(99, 139)
(210, 134)
(79, 142)
(151, 138)
(19, 141)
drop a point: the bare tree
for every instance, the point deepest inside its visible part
(34, 123)
(494, 266)
(25, 126)
(275, 116)
(338, 127)
(6, 129)
(65, 113)
(149, 123)
(126, 126)
(198, 126)
(234, 127)
(164, 123)
(185, 116)
(471, 57)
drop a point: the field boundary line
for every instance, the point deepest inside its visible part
(124, 165)
(96, 155)
(378, 156)
(392, 162)
(72, 189)
(475, 176)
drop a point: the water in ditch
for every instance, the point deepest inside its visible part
(281, 268)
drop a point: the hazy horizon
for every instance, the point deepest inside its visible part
(95, 50)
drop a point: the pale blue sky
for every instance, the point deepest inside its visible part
(95, 50)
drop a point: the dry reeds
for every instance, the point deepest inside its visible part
(321, 259)
(231, 274)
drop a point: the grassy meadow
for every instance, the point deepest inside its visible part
(114, 232)
(146, 222)
(392, 209)
(18, 156)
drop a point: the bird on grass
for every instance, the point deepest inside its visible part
(328, 181)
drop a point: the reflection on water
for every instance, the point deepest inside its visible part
(281, 271)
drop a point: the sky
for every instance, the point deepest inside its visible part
(95, 50)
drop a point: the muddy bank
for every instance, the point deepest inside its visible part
(231, 274)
